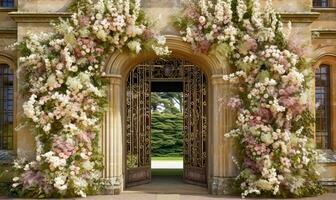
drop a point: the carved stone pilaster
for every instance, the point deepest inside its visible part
(222, 167)
(221, 185)
(113, 185)
(111, 139)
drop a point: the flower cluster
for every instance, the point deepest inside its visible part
(276, 154)
(66, 93)
(211, 24)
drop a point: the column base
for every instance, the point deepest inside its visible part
(113, 185)
(221, 185)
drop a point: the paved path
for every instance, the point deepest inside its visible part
(173, 188)
(329, 196)
(126, 196)
(167, 164)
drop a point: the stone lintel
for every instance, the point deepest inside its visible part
(32, 17)
(299, 17)
(324, 33)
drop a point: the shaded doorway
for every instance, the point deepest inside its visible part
(163, 75)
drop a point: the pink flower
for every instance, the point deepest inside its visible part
(283, 61)
(204, 46)
(287, 101)
(249, 44)
(190, 12)
(100, 50)
(31, 178)
(289, 90)
(234, 102)
(63, 147)
(148, 34)
(77, 52)
(84, 21)
(264, 113)
(92, 59)
(295, 46)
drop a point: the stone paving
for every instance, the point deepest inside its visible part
(172, 188)
(142, 196)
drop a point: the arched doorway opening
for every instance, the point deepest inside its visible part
(168, 75)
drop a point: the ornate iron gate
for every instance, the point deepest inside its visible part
(195, 125)
(138, 119)
(138, 127)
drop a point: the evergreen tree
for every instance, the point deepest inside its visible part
(167, 124)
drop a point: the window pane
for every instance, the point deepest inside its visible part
(6, 3)
(322, 95)
(321, 3)
(6, 107)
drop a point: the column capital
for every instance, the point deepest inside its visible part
(113, 78)
(217, 79)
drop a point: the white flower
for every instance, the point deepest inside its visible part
(133, 31)
(87, 165)
(14, 185)
(99, 16)
(134, 46)
(74, 84)
(264, 184)
(15, 179)
(52, 82)
(82, 194)
(202, 20)
(59, 183)
(47, 127)
(161, 40)
(267, 138)
(161, 51)
(101, 34)
(29, 108)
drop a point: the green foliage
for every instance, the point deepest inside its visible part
(167, 130)
(306, 121)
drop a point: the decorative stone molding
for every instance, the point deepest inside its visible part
(221, 185)
(120, 63)
(8, 32)
(324, 10)
(324, 33)
(299, 17)
(6, 10)
(113, 185)
(30, 17)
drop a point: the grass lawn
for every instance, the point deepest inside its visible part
(167, 158)
(167, 172)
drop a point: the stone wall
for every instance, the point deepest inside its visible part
(35, 15)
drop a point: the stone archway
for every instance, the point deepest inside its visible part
(221, 119)
(171, 75)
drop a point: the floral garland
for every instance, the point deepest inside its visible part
(276, 155)
(67, 94)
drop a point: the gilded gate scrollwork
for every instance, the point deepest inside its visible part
(138, 119)
(195, 125)
(138, 126)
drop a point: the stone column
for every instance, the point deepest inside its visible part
(111, 139)
(222, 121)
